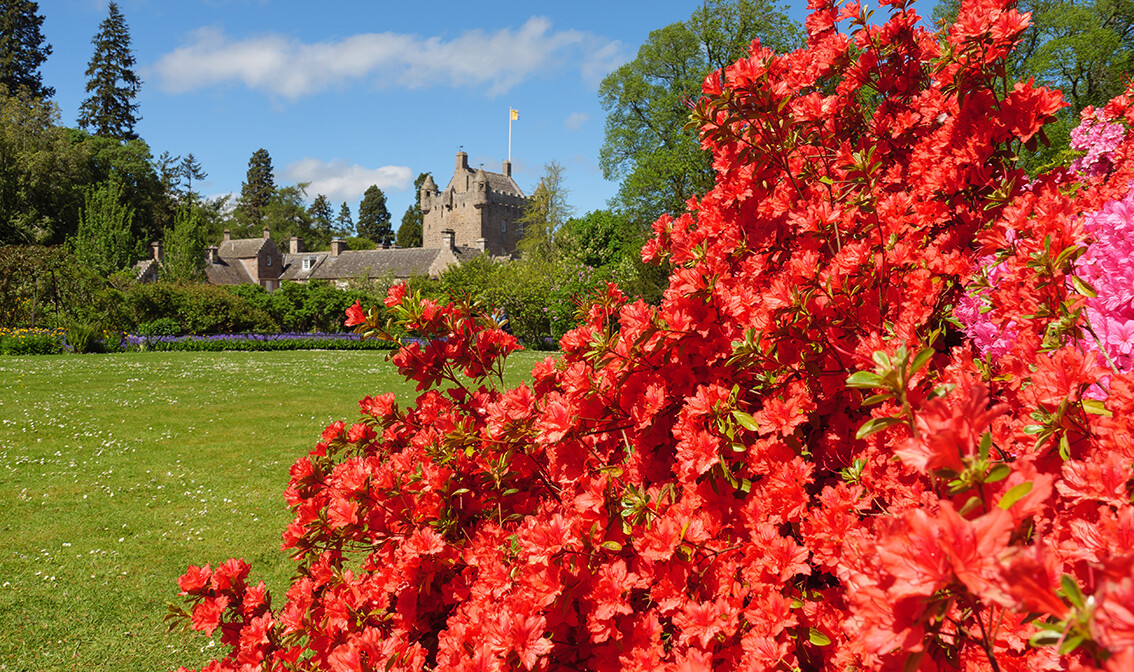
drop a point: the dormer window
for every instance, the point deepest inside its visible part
(307, 263)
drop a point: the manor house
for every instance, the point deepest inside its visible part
(479, 207)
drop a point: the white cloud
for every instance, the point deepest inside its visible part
(340, 181)
(575, 120)
(493, 61)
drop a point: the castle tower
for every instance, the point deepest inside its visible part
(478, 206)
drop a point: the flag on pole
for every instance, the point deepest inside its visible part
(513, 115)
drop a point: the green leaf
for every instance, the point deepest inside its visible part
(921, 359)
(1082, 287)
(746, 421)
(865, 379)
(818, 638)
(877, 398)
(1045, 638)
(1072, 592)
(998, 473)
(612, 546)
(985, 445)
(1072, 642)
(1014, 495)
(875, 425)
(1096, 407)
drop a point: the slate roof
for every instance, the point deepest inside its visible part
(225, 273)
(241, 248)
(396, 262)
(293, 265)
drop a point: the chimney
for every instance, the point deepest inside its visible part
(267, 233)
(211, 254)
(295, 246)
(157, 250)
(447, 237)
(227, 236)
(338, 246)
(462, 161)
(507, 169)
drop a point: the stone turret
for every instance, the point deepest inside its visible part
(478, 207)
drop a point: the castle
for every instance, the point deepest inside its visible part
(479, 207)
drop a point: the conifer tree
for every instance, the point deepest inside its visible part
(22, 48)
(410, 232)
(345, 222)
(374, 217)
(258, 188)
(190, 169)
(322, 217)
(112, 85)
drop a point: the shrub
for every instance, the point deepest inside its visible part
(163, 326)
(83, 338)
(796, 461)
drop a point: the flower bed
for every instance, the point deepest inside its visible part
(32, 341)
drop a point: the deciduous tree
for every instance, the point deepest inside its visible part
(110, 108)
(546, 212)
(410, 232)
(105, 241)
(183, 247)
(647, 144)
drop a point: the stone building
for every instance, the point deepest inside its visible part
(479, 207)
(245, 260)
(340, 265)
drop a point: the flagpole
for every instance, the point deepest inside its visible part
(509, 135)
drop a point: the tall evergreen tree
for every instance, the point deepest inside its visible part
(22, 48)
(191, 170)
(322, 217)
(257, 190)
(346, 224)
(410, 232)
(374, 217)
(112, 85)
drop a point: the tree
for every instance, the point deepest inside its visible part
(105, 242)
(190, 169)
(346, 224)
(410, 232)
(322, 220)
(184, 246)
(257, 190)
(374, 217)
(546, 213)
(22, 48)
(286, 215)
(648, 100)
(110, 109)
(40, 170)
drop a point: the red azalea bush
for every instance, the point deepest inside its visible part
(798, 461)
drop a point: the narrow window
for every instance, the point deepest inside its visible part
(503, 226)
(269, 263)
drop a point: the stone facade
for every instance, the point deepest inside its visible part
(479, 207)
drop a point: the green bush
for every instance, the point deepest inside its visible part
(163, 326)
(82, 338)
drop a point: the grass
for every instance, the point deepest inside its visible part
(119, 471)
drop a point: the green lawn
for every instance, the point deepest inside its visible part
(118, 471)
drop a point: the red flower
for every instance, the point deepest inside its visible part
(355, 315)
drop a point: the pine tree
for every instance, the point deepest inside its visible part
(322, 216)
(110, 109)
(258, 188)
(374, 217)
(190, 169)
(346, 224)
(22, 48)
(410, 232)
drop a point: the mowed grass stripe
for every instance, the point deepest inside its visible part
(119, 471)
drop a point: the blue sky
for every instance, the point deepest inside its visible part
(345, 94)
